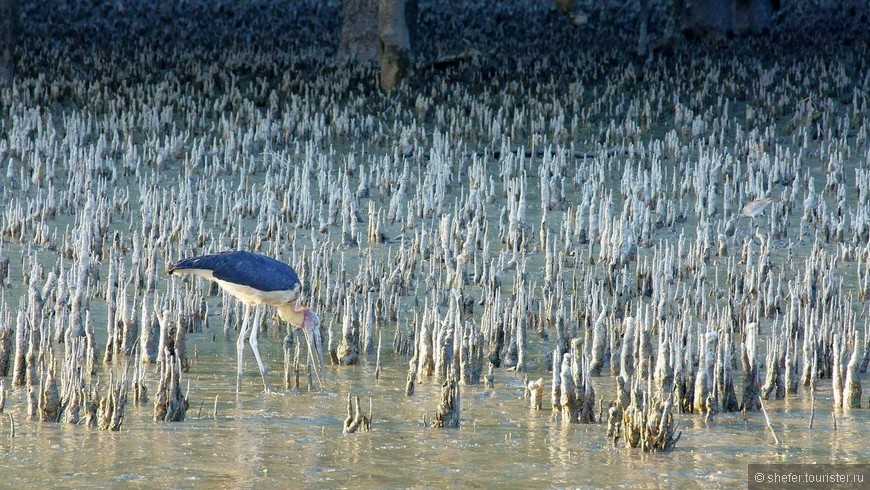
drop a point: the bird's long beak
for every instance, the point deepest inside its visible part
(311, 329)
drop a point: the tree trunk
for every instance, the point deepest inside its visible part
(718, 17)
(565, 7)
(395, 42)
(8, 39)
(643, 28)
(359, 40)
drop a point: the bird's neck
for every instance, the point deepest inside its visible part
(292, 314)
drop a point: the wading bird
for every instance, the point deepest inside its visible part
(756, 208)
(258, 280)
(751, 210)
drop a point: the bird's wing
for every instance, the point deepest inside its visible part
(244, 268)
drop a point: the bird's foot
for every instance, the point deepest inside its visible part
(267, 387)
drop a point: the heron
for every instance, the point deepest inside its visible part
(258, 280)
(756, 208)
(751, 210)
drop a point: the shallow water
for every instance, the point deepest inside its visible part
(295, 438)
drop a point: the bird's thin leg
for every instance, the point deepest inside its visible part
(240, 346)
(258, 310)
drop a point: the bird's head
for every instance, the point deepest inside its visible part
(307, 321)
(310, 321)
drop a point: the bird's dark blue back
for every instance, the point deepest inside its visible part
(246, 268)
